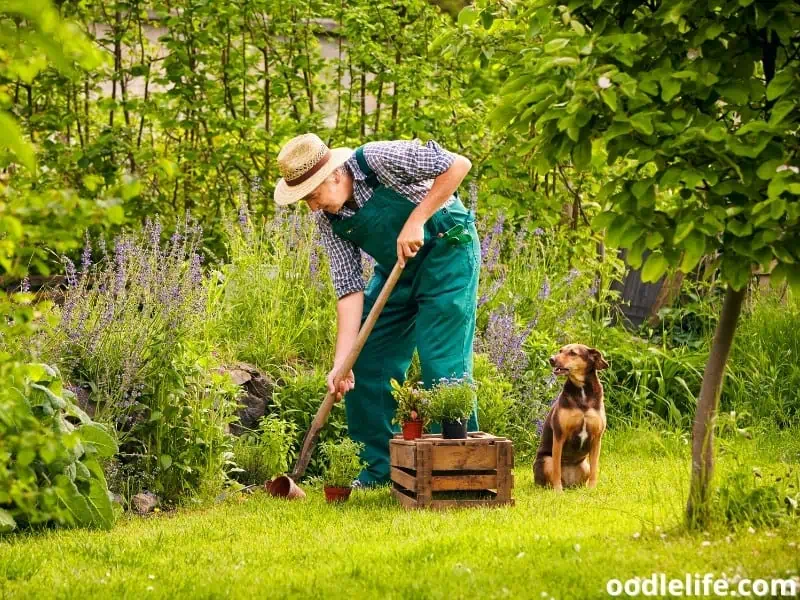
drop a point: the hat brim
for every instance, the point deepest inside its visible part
(289, 194)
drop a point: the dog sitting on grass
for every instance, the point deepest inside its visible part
(569, 450)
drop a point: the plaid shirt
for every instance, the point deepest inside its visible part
(407, 167)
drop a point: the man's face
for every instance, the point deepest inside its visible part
(331, 194)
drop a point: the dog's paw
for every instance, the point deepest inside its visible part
(591, 484)
(558, 489)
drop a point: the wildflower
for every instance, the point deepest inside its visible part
(544, 291)
(538, 232)
(791, 168)
(86, 257)
(604, 82)
(72, 277)
(25, 286)
(573, 273)
(473, 196)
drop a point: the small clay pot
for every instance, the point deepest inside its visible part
(284, 487)
(454, 430)
(337, 494)
(412, 430)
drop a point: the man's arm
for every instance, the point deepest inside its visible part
(412, 236)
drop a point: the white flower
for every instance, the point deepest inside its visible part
(693, 54)
(636, 535)
(706, 543)
(604, 82)
(791, 168)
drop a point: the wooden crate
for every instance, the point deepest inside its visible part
(431, 472)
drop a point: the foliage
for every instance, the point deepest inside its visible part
(297, 399)
(412, 402)
(707, 140)
(50, 468)
(132, 336)
(496, 398)
(452, 399)
(264, 453)
(274, 278)
(343, 462)
(748, 496)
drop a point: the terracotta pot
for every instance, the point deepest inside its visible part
(412, 430)
(337, 494)
(284, 487)
(454, 430)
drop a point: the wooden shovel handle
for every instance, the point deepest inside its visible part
(310, 439)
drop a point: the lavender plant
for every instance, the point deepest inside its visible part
(132, 334)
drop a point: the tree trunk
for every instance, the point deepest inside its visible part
(697, 507)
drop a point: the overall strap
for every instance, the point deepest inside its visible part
(371, 179)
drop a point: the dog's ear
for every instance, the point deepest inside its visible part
(599, 362)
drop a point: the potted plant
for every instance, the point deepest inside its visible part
(451, 402)
(412, 408)
(344, 465)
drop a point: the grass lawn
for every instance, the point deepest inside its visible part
(564, 546)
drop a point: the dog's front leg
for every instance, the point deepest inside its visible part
(594, 463)
(558, 445)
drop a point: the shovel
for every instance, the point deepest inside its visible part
(285, 486)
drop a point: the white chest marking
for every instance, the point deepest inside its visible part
(583, 434)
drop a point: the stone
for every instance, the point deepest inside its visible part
(144, 502)
(257, 389)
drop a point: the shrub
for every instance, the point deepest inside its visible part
(50, 470)
(263, 454)
(496, 398)
(343, 462)
(132, 333)
(452, 399)
(412, 402)
(297, 400)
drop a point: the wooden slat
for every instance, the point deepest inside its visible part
(472, 457)
(404, 479)
(455, 482)
(406, 501)
(446, 504)
(425, 462)
(402, 455)
(504, 461)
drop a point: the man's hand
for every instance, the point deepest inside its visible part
(410, 240)
(346, 384)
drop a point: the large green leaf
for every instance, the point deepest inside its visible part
(97, 435)
(7, 522)
(654, 267)
(99, 504)
(11, 138)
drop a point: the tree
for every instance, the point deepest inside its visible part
(695, 104)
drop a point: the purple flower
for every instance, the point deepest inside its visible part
(25, 286)
(573, 273)
(491, 243)
(86, 257)
(544, 291)
(538, 232)
(503, 343)
(72, 277)
(490, 293)
(473, 196)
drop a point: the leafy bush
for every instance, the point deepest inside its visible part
(750, 497)
(274, 306)
(132, 333)
(297, 400)
(452, 399)
(50, 470)
(496, 398)
(413, 403)
(343, 462)
(263, 454)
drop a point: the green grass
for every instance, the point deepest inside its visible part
(561, 546)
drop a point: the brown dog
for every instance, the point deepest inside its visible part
(569, 450)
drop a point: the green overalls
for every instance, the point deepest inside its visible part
(432, 307)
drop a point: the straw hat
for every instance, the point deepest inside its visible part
(304, 162)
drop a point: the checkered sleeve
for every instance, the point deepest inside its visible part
(344, 258)
(401, 162)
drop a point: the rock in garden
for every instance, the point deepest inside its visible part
(144, 502)
(257, 388)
